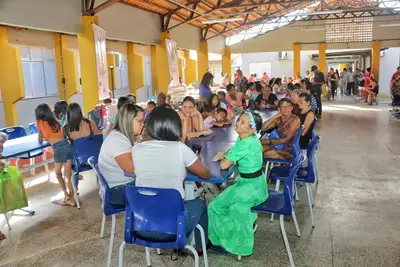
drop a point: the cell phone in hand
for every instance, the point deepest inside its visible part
(196, 148)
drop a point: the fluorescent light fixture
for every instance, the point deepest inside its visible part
(389, 25)
(312, 29)
(221, 20)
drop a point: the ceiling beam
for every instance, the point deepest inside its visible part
(261, 19)
(103, 6)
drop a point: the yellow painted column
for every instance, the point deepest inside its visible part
(191, 68)
(202, 60)
(67, 68)
(296, 59)
(112, 73)
(180, 67)
(322, 58)
(159, 65)
(376, 59)
(227, 61)
(135, 69)
(342, 66)
(87, 53)
(11, 78)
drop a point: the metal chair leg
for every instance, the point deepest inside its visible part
(121, 254)
(8, 223)
(310, 203)
(295, 223)
(32, 161)
(316, 167)
(203, 244)
(103, 223)
(110, 246)
(148, 259)
(297, 194)
(158, 251)
(285, 240)
(196, 256)
(276, 189)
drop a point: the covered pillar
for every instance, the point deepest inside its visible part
(135, 69)
(87, 53)
(190, 69)
(376, 59)
(180, 68)
(322, 58)
(227, 61)
(296, 59)
(11, 78)
(159, 65)
(202, 60)
(67, 70)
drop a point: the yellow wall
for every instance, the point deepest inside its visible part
(87, 55)
(180, 67)
(66, 64)
(322, 58)
(190, 69)
(11, 78)
(159, 65)
(227, 61)
(135, 69)
(376, 59)
(202, 60)
(296, 60)
(342, 66)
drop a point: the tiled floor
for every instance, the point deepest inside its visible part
(356, 209)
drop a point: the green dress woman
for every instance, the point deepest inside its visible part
(230, 217)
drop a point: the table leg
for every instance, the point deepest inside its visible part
(190, 190)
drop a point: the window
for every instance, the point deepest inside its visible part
(39, 71)
(349, 30)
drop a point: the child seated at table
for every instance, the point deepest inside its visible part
(112, 121)
(222, 99)
(218, 119)
(232, 207)
(50, 130)
(150, 106)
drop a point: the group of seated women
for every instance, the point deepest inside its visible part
(161, 159)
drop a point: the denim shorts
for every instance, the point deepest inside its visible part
(62, 151)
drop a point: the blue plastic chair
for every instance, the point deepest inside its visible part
(83, 149)
(108, 208)
(304, 175)
(282, 203)
(33, 128)
(157, 210)
(15, 132)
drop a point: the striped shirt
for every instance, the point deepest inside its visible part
(313, 104)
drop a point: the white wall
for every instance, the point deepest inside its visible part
(54, 15)
(279, 67)
(388, 66)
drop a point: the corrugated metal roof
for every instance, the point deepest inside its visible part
(252, 12)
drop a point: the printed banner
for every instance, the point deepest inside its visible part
(101, 61)
(172, 63)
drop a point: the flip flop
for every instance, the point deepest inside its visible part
(59, 202)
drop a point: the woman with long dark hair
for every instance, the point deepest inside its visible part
(60, 111)
(205, 86)
(49, 129)
(192, 120)
(163, 161)
(77, 125)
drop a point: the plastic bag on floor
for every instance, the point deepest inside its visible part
(12, 190)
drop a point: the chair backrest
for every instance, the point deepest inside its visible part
(289, 188)
(86, 147)
(104, 189)
(296, 150)
(150, 210)
(33, 128)
(14, 132)
(312, 146)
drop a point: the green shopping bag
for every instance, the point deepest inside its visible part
(12, 190)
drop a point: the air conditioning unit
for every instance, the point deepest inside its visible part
(282, 55)
(118, 60)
